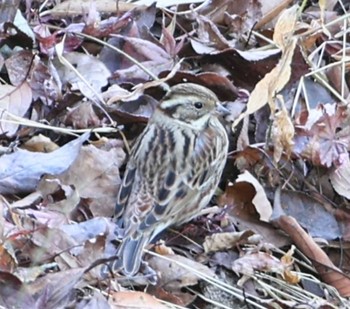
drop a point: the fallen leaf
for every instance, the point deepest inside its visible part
(21, 171)
(226, 241)
(340, 179)
(15, 100)
(134, 300)
(260, 201)
(259, 261)
(95, 175)
(173, 275)
(91, 77)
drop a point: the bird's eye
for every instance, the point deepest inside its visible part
(198, 105)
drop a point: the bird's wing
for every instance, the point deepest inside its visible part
(154, 178)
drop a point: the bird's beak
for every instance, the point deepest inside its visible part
(222, 110)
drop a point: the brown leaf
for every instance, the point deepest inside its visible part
(18, 66)
(282, 133)
(226, 241)
(260, 261)
(260, 201)
(174, 276)
(134, 300)
(40, 143)
(285, 27)
(149, 54)
(16, 101)
(13, 293)
(82, 116)
(93, 74)
(242, 213)
(245, 67)
(326, 269)
(56, 289)
(310, 213)
(324, 138)
(95, 175)
(272, 83)
(7, 259)
(340, 179)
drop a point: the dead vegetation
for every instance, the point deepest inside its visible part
(79, 79)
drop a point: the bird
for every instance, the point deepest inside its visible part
(173, 170)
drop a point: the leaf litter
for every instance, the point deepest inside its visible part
(80, 79)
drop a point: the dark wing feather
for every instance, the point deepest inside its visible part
(124, 191)
(127, 184)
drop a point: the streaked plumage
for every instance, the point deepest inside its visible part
(173, 170)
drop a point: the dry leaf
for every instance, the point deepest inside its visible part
(134, 300)
(340, 179)
(21, 171)
(260, 261)
(89, 76)
(282, 133)
(95, 175)
(274, 81)
(226, 241)
(173, 276)
(40, 143)
(260, 201)
(15, 100)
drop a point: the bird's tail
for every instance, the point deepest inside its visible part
(129, 255)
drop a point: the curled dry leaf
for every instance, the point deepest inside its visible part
(282, 133)
(66, 204)
(260, 201)
(288, 260)
(226, 241)
(40, 143)
(260, 261)
(162, 249)
(209, 37)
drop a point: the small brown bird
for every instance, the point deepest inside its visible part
(174, 168)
